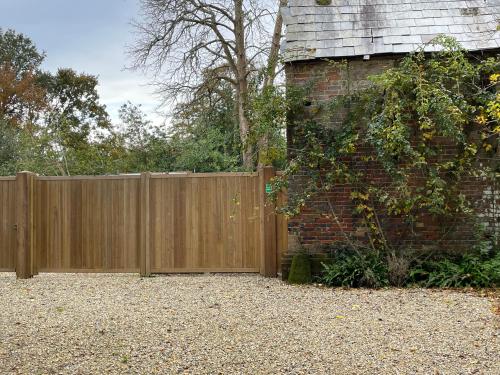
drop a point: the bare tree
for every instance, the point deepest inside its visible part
(273, 59)
(185, 41)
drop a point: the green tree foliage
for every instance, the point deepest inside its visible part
(55, 124)
(21, 98)
(146, 147)
(205, 133)
(269, 111)
(8, 148)
(76, 123)
(19, 52)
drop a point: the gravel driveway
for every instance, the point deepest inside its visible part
(238, 324)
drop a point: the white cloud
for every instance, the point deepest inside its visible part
(89, 37)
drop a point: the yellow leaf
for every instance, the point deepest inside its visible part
(481, 119)
(487, 147)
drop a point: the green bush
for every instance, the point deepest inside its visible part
(467, 271)
(356, 269)
(300, 271)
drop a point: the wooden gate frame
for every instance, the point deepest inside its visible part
(271, 243)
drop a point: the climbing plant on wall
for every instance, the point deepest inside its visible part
(430, 123)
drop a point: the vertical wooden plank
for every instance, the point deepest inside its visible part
(193, 237)
(227, 222)
(131, 219)
(268, 262)
(155, 244)
(245, 201)
(257, 208)
(181, 223)
(170, 234)
(34, 206)
(56, 224)
(232, 239)
(43, 219)
(24, 220)
(249, 219)
(107, 218)
(66, 228)
(100, 239)
(219, 222)
(8, 220)
(240, 240)
(145, 261)
(8, 236)
(86, 238)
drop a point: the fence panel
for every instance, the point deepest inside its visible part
(87, 224)
(204, 223)
(7, 223)
(148, 223)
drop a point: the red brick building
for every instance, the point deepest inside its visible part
(371, 36)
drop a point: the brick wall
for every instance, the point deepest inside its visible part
(315, 225)
(331, 80)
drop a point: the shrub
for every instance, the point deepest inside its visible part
(368, 268)
(467, 271)
(300, 271)
(356, 269)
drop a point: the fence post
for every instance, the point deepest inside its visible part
(281, 230)
(145, 260)
(25, 259)
(268, 261)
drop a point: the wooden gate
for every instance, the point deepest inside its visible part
(148, 223)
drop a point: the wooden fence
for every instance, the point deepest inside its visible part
(147, 223)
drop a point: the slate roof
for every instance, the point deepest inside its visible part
(349, 28)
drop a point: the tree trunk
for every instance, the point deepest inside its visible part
(272, 63)
(275, 47)
(244, 124)
(242, 86)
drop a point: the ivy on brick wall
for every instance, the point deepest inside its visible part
(432, 123)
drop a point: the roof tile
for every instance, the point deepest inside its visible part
(366, 27)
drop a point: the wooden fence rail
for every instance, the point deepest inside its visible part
(147, 223)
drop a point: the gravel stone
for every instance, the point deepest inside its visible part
(243, 324)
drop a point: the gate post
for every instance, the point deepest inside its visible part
(25, 257)
(268, 261)
(144, 226)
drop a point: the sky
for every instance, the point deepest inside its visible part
(88, 36)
